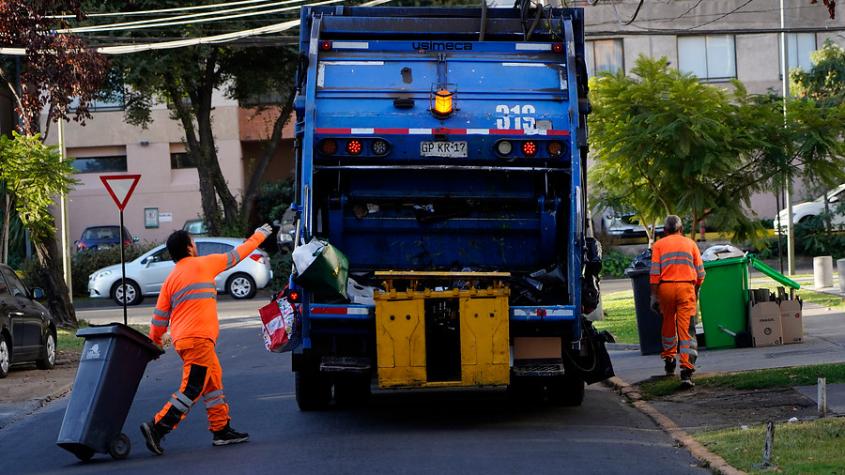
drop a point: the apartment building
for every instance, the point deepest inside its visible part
(168, 193)
(717, 40)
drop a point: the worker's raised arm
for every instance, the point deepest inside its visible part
(699, 266)
(222, 262)
(161, 316)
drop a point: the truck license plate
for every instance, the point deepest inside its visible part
(443, 149)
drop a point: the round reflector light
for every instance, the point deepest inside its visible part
(325, 45)
(354, 147)
(380, 147)
(504, 147)
(529, 148)
(557, 48)
(555, 149)
(328, 147)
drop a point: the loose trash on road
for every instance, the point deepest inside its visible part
(111, 366)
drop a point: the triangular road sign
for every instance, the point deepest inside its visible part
(120, 187)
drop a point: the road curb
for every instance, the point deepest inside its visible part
(700, 452)
(36, 404)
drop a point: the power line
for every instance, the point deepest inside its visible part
(162, 10)
(155, 21)
(213, 39)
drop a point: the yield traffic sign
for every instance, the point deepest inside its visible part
(120, 187)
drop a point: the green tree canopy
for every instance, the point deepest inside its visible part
(665, 143)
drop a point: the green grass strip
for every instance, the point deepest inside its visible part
(805, 447)
(620, 319)
(759, 379)
(66, 339)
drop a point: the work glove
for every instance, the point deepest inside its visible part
(265, 230)
(655, 304)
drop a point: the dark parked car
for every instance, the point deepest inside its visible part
(27, 331)
(103, 237)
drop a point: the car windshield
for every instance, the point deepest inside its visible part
(195, 227)
(110, 233)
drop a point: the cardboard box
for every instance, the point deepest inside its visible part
(791, 321)
(764, 322)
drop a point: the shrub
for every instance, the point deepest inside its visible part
(85, 263)
(281, 263)
(614, 263)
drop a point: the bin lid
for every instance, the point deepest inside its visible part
(773, 274)
(730, 261)
(124, 331)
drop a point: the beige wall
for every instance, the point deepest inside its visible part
(148, 154)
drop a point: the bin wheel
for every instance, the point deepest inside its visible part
(120, 447)
(313, 391)
(84, 454)
(566, 390)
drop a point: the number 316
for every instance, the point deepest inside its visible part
(521, 115)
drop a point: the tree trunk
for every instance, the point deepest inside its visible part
(254, 183)
(7, 227)
(58, 301)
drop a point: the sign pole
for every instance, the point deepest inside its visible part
(123, 267)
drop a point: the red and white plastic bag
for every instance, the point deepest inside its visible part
(280, 325)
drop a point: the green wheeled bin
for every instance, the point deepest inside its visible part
(724, 300)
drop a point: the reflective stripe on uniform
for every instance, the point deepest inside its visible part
(669, 342)
(181, 402)
(197, 296)
(184, 290)
(213, 394)
(232, 258)
(689, 347)
(159, 323)
(216, 402)
(162, 314)
(673, 255)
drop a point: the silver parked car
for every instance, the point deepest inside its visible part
(145, 275)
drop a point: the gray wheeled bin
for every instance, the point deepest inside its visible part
(112, 363)
(649, 323)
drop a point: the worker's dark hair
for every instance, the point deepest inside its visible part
(177, 244)
(673, 224)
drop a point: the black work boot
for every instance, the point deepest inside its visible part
(669, 365)
(686, 378)
(153, 436)
(227, 435)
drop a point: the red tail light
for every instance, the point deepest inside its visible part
(257, 257)
(541, 312)
(325, 45)
(328, 147)
(293, 296)
(557, 48)
(354, 147)
(529, 148)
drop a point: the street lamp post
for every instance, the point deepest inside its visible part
(784, 71)
(65, 239)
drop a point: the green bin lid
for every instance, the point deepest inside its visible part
(730, 261)
(773, 274)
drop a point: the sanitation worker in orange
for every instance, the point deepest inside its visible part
(677, 273)
(187, 305)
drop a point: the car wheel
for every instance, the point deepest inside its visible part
(133, 293)
(241, 286)
(5, 355)
(48, 352)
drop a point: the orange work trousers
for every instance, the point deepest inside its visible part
(201, 376)
(677, 304)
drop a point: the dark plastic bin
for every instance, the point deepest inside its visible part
(649, 323)
(111, 366)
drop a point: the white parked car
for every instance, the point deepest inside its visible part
(809, 209)
(145, 275)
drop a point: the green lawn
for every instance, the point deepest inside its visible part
(805, 447)
(760, 379)
(620, 318)
(821, 299)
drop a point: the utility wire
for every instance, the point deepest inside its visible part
(214, 39)
(140, 23)
(162, 10)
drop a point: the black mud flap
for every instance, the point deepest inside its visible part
(590, 290)
(592, 363)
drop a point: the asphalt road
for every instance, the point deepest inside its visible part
(398, 432)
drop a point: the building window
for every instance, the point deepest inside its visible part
(114, 163)
(181, 160)
(111, 101)
(711, 57)
(604, 55)
(799, 47)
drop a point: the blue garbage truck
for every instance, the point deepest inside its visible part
(443, 152)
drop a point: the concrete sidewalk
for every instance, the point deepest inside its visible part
(824, 342)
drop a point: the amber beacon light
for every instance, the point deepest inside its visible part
(443, 103)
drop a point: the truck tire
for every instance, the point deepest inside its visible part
(566, 390)
(313, 392)
(525, 390)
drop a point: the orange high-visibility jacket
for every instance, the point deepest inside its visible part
(676, 258)
(188, 299)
